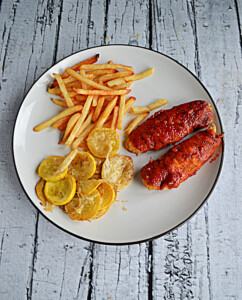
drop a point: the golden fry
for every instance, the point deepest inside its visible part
(82, 137)
(101, 92)
(143, 109)
(107, 111)
(123, 86)
(59, 102)
(63, 90)
(76, 67)
(98, 108)
(157, 104)
(115, 117)
(107, 66)
(78, 124)
(71, 94)
(83, 84)
(116, 81)
(54, 91)
(66, 112)
(136, 122)
(101, 72)
(81, 97)
(61, 122)
(139, 76)
(115, 75)
(71, 123)
(67, 161)
(121, 112)
(86, 80)
(129, 103)
(85, 123)
(94, 102)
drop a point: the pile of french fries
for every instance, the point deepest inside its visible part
(94, 95)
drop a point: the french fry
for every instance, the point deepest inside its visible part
(121, 112)
(116, 81)
(100, 72)
(67, 161)
(101, 92)
(123, 86)
(69, 80)
(83, 136)
(129, 103)
(157, 104)
(61, 122)
(94, 102)
(80, 121)
(66, 112)
(85, 123)
(139, 110)
(136, 122)
(80, 97)
(143, 109)
(63, 90)
(107, 111)
(62, 127)
(76, 84)
(115, 117)
(72, 121)
(70, 94)
(54, 91)
(86, 80)
(76, 67)
(139, 76)
(120, 74)
(98, 108)
(84, 85)
(106, 66)
(65, 80)
(59, 102)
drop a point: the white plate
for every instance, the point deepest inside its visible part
(149, 214)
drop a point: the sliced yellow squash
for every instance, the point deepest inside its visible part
(101, 213)
(62, 191)
(118, 171)
(49, 168)
(83, 207)
(85, 187)
(83, 166)
(103, 142)
(107, 194)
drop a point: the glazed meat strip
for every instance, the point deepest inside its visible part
(182, 161)
(169, 126)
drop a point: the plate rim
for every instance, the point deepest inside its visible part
(153, 237)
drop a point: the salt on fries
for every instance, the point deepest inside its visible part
(93, 95)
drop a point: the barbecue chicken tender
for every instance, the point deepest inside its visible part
(169, 126)
(182, 161)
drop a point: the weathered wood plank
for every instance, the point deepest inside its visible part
(128, 23)
(18, 217)
(62, 265)
(180, 258)
(221, 59)
(120, 272)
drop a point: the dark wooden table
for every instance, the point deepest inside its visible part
(201, 259)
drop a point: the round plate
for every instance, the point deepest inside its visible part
(148, 214)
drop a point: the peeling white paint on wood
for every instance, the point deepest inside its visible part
(201, 259)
